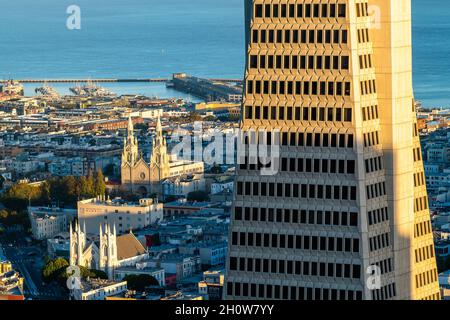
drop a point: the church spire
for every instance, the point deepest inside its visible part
(159, 161)
(158, 125)
(130, 153)
(130, 127)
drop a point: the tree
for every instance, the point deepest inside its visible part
(99, 183)
(54, 269)
(45, 193)
(85, 187)
(19, 195)
(140, 282)
(198, 196)
(13, 218)
(98, 274)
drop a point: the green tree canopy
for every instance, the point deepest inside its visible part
(199, 196)
(99, 183)
(17, 197)
(65, 191)
(54, 269)
(140, 282)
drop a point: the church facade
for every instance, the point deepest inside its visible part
(142, 178)
(105, 253)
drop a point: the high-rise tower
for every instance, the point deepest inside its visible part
(346, 214)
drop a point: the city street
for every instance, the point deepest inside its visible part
(28, 260)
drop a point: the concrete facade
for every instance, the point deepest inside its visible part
(348, 198)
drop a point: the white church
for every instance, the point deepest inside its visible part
(106, 252)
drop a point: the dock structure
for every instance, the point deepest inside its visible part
(155, 80)
(208, 89)
(87, 80)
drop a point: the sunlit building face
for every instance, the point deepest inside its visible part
(344, 214)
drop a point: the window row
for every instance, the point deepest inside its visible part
(384, 293)
(376, 190)
(318, 165)
(368, 87)
(426, 278)
(268, 291)
(371, 139)
(311, 217)
(417, 154)
(300, 139)
(373, 164)
(323, 88)
(419, 179)
(362, 9)
(378, 216)
(434, 296)
(302, 62)
(363, 35)
(303, 268)
(379, 242)
(424, 253)
(385, 266)
(365, 61)
(293, 10)
(313, 36)
(421, 204)
(422, 228)
(370, 113)
(298, 113)
(415, 130)
(282, 241)
(300, 165)
(295, 190)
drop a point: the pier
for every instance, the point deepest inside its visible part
(151, 80)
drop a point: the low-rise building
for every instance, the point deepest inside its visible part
(182, 207)
(444, 284)
(181, 186)
(11, 283)
(99, 289)
(183, 266)
(77, 167)
(185, 296)
(48, 222)
(222, 184)
(59, 246)
(124, 215)
(211, 253)
(212, 285)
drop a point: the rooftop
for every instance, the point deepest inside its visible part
(95, 284)
(128, 246)
(118, 202)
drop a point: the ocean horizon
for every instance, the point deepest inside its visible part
(155, 38)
